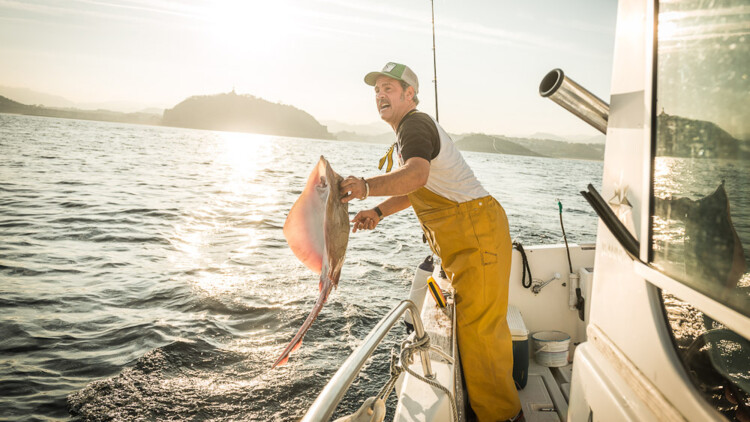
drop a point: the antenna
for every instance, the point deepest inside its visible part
(434, 60)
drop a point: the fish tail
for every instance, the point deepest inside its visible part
(326, 283)
(325, 290)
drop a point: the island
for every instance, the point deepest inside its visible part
(244, 113)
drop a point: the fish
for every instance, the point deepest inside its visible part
(317, 231)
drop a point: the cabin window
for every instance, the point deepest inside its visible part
(701, 173)
(700, 226)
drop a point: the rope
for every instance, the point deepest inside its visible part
(408, 353)
(526, 268)
(408, 349)
(396, 371)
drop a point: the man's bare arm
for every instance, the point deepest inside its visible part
(406, 179)
(394, 204)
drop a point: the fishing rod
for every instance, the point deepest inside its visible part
(434, 60)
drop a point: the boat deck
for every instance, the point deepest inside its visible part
(545, 397)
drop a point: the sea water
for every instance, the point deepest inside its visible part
(144, 274)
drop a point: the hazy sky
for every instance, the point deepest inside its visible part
(313, 54)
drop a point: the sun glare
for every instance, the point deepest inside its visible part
(244, 152)
(226, 229)
(668, 30)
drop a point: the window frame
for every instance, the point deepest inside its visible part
(732, 319)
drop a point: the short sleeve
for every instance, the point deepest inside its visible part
(418, 137)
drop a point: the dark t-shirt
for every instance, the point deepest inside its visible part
(418, 136)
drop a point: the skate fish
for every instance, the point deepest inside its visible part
(317, 231)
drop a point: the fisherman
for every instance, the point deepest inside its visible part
(465, 226)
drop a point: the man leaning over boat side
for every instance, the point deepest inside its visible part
(465, 226)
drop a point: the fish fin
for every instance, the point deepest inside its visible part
(303, 228)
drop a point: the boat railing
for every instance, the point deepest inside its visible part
(326, 403)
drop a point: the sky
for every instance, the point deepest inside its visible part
(313, 54)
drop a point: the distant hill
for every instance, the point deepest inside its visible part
(586, 139)
(583, 139)
(486, 143)
(382, 138)
(122, 107)
(545, 135)
(371, 129)
(28, 96)
(9, 106)
(31, 97)
(559, 149)
(244, 113)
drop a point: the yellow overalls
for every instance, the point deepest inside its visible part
(473, 242)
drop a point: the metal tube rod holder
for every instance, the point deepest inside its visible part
(576, 99)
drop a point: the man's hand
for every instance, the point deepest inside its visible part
(365, 220)
(352, 188)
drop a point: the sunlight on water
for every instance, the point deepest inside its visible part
(213, 284)
(664, 184)
(245, 153)
(744, 281)
(230, 216)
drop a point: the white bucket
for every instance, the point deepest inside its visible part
(551, 348)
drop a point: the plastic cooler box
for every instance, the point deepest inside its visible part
(520, 346)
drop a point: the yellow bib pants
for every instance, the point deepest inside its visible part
(473, 242)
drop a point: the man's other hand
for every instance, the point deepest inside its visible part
(365, 220)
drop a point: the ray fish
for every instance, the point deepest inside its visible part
(317, 231)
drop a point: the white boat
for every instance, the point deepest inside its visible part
(665, 289)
